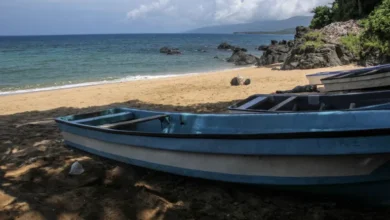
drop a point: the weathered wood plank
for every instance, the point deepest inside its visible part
(278, 106)
(135, 121)
(252, 102)
(92, 119)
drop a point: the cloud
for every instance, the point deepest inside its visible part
(207, 12)
(145, 9)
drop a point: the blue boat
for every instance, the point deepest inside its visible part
(315, 79)
(271, 103)
(343, 153)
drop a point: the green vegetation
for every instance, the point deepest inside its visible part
(322, 17)
(377, 29)
(374, 42)
(284, 31)
(313, 39)
(374, 16)
(352, 42)
(342, 10)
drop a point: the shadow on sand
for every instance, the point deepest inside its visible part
(35, 184)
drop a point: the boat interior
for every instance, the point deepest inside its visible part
(121, 119)
(143, 121)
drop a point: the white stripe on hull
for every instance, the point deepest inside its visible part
(275, 166)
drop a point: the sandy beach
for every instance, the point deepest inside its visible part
(34, 162)
(178, 91)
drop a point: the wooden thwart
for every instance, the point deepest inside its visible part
(278, 106)
(135, 121)
(253, 102)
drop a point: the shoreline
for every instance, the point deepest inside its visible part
(182, 90)
(104, 82)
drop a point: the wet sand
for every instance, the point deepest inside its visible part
(34, 162)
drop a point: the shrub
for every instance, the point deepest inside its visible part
(377, 28)
(353, 43)
(313, 39)
(322, 17)
(378, 21)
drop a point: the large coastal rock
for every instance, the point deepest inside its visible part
(263, 47)
(275, 53)
(336, 30)
(322, 49)
(373, 57)
(170, 51)
(310, 57)
(301, 31)
(241, 58)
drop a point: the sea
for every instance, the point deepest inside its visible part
(37, 63)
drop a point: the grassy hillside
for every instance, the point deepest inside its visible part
(284, 31)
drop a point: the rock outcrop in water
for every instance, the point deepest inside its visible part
(226, 46)
(170, 51)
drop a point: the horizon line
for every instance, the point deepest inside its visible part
(43, 35)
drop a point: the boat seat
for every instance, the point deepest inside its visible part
(123, 115)
(135, 121)
(278, 106)
(253, 102)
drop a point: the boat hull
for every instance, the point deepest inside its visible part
(315, 79)
(346, 153)
(330, 174)
(380, 80)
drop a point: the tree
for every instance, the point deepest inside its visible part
(378, 21)
(352, 9)
(377, 29)
(322, 17)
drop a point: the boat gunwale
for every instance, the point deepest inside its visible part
(235, 106)
(289, 135)
(360, 73)
(357, 78)
(353, 71)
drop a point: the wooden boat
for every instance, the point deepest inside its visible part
(315, 79)
(330, 152)
(374, 79)
(314, 102)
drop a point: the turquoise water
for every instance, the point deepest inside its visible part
(29, 63)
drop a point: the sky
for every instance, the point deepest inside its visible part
(45, 17)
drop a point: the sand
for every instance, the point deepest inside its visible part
(179, 91)
(34, 162)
